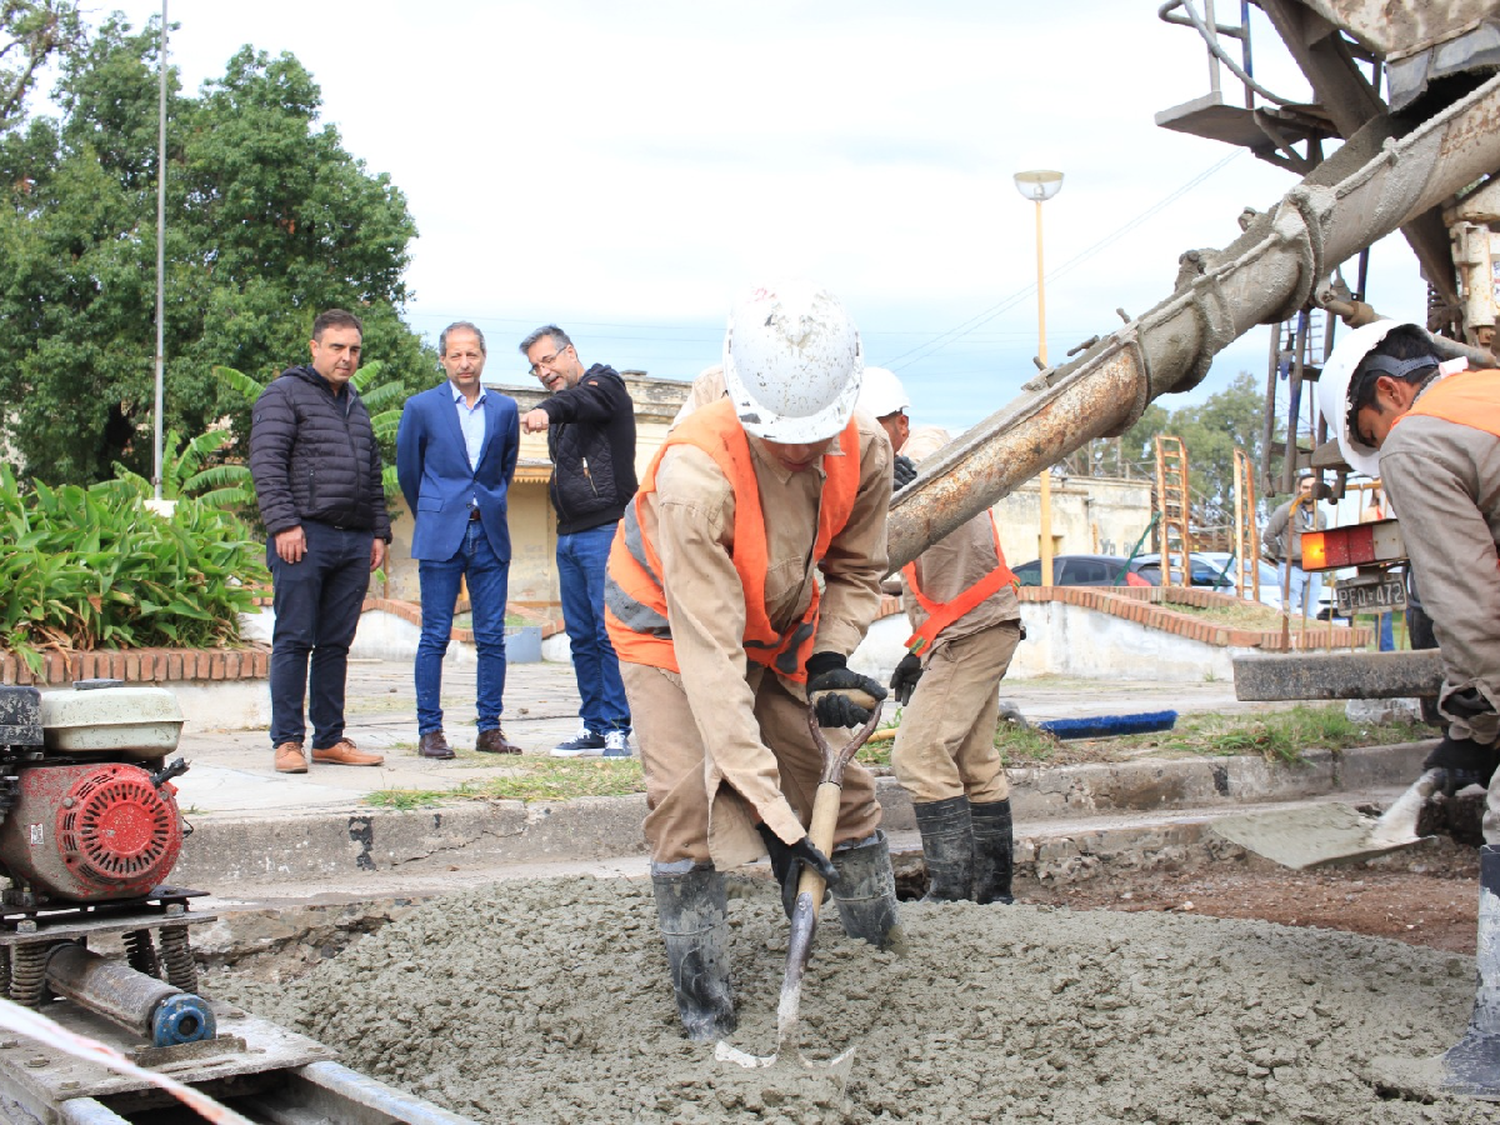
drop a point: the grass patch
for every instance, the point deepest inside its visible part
(530, 779)
(1277, 736)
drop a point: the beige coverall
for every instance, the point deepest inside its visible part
(725, 744)
(1443, 481)
(945, 746)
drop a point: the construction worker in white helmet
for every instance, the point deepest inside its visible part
(1430, 431)
(714, 605)
(960, 597)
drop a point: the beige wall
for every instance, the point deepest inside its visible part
(1090, 515)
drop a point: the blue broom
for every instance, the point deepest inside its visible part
(1110, 726)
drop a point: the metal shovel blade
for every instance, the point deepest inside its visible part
(1315, 835)
(789, 1006)
(809, 898)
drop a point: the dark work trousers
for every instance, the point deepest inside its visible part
(318, 601)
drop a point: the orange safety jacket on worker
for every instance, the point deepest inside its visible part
(942, 614)
(635, 605)
(1442, 455)
(1468, 398)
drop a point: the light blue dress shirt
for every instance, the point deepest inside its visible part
(471, 422)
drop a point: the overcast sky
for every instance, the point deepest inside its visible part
(626, 169)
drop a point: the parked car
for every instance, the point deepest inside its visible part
(1216, 570)
(1270, 582)
(1081, 570)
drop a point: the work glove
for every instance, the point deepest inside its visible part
(840, 697)
(905, 472)
(1464, 761)
(787, 861)
(904, 678)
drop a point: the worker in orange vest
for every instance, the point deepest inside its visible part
(960, 597)
(744, 573)
(1431, 431)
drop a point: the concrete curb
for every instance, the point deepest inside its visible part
(226, 852)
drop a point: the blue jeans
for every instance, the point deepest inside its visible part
(317, 603)
(489, 581)
(581, 559)
(1304, 585)
(1387, 632)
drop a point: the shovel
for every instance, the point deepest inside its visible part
(825, 817)
(1326, 834)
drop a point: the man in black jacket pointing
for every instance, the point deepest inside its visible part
(317, 471)
(589, 420)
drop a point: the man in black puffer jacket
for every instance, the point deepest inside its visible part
(590, 424)
(317, 480)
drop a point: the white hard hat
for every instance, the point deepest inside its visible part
(792, 363)
(881, 393)
(1333, 392)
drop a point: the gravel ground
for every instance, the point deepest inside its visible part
(548, 1001)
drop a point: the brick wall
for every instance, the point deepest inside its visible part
(1152, 606)
(141, 665)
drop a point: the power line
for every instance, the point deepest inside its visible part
(971, 325)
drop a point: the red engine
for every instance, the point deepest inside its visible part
(86, 833)
(77, 824)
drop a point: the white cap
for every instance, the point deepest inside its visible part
(1333, 392)
(881, 393)
(792, 363)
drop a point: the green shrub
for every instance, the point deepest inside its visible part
(86, 568)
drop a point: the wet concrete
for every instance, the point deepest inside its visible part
(547, 1001)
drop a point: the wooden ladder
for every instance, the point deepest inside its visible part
(1172, 504)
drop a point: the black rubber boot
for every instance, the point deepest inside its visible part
(947, 847)
(866, 891)
(994, 852)
(690, 906)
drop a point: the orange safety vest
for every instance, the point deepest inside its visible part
(940, 614)
(635, 606)
(1467, 398)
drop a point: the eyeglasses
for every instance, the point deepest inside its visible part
(548, 360)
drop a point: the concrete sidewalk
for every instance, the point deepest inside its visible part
(232, 770)
(261, 835)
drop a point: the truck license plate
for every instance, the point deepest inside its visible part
(1387, 594)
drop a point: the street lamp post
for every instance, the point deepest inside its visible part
(1038, 186)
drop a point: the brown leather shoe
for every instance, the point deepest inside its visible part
(345, 753)
(495, 742)
(290, 759)
(434, 745)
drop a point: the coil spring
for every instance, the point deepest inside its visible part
(28, 981)
(182, 972)
(5, 971)
(141, 954)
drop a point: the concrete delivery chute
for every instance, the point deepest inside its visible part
(1362, 193)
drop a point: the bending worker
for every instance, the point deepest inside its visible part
(1434, 441)
(960, 597)
(714, 607)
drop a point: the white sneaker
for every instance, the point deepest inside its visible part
(616, 744)
(584, 744)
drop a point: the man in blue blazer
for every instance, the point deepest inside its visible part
(455, 457)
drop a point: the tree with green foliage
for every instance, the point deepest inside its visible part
(269, 221)
(32, 32)
(1210, 431)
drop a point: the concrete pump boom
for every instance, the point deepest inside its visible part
(1371, 187)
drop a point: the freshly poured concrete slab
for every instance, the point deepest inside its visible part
(1310, 835)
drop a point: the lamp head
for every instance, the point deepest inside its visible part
(1039, 185)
